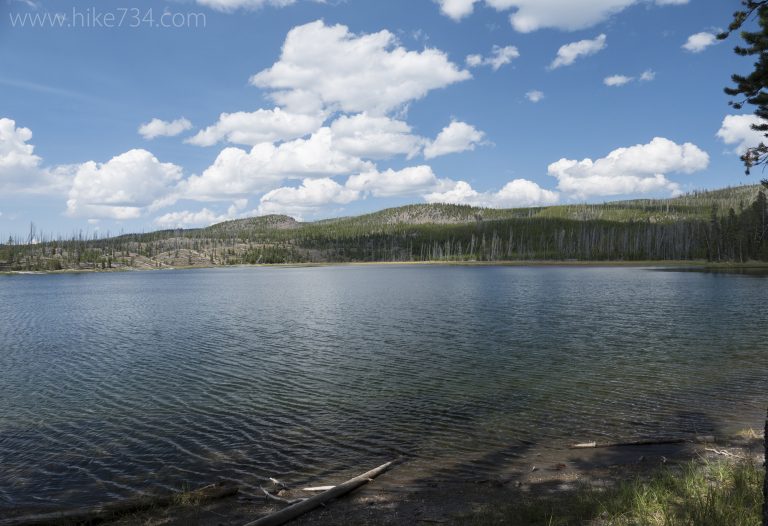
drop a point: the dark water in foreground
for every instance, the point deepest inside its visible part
(112, 384)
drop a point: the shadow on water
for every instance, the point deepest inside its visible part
(756, 272)
(536, 474)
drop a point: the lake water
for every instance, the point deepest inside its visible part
(115, 384)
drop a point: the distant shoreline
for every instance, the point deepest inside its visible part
(680, 264)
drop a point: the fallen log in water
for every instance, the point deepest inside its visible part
(119, 509)
(660, 442)
(300, 508)
(585, 445)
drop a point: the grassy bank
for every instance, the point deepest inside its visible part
(698, 493)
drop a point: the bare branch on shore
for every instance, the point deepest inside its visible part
(280, 499)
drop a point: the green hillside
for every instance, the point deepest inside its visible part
(722, 225)
(696, 205)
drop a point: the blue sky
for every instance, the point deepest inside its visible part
(342, 107)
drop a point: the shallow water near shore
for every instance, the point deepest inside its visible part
(117, 384)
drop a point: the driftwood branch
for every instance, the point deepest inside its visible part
(277, 483)
(279, 499)
(319, 488)
(119, 509)
(300, 508)
(723, 453)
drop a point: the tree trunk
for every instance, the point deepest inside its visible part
(300, 508)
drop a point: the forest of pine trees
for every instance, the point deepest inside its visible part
(671, 230)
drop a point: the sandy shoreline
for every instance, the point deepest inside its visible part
(419, 492)
(410, 494)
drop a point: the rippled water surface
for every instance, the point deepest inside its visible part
(114, 384)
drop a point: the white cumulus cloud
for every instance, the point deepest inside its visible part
(408, 181)
(252, 128)
(232, 5)
(21, 170)
(737, 130)
(160, 128)
(237, 172)
(201, 218)
(698, 42)
(309, 198)
(125, 187)
(517, 193)
(617, 80)
(621, 80)
(371, 137)
(568, 53)
(531, 15)
(457, 9)
(17, 157)
(454, 138)
(638, 169)
(535, 96)
(329, 67)
(500, 56)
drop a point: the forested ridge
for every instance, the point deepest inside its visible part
(723, 225)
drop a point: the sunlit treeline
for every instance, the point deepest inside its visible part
(691, 227)
(734, 236)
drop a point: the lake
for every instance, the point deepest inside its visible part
(120, 383)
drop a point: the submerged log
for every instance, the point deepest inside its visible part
(659, 442)
(300, 508)
(119, 509)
